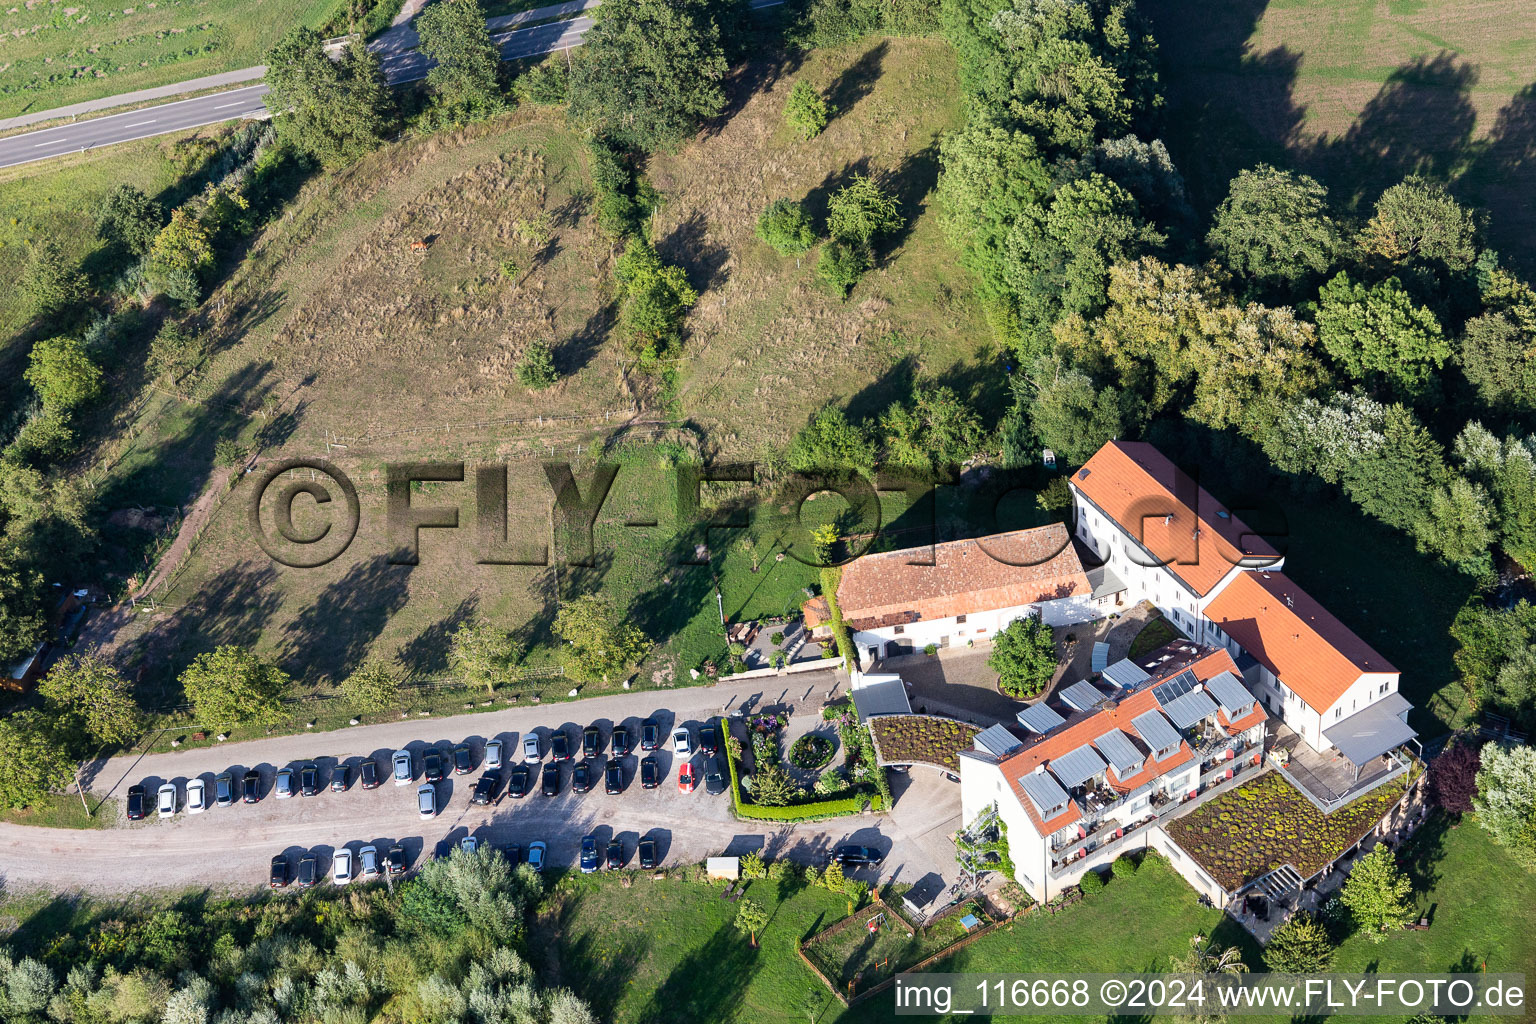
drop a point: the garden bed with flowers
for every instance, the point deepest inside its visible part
(1264, 824)
(922, 739)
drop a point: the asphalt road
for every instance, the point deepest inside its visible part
(400, 65)
(230, 848)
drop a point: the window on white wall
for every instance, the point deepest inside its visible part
(1338, 712)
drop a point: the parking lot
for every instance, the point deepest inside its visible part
(232, 846)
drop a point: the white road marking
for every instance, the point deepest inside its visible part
(223, 105)
(139, 124)
(55, 142)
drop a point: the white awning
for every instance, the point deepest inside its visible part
(1366, 735)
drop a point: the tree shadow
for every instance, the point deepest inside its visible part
(575, 352)
(707, 985)
(911, 184)
(1503, 178)
(895, 384)
(817, 199)
(233, 607)
(426, 654)
(857, 80)
(749, 80)
(701, 258)
(329, 639)
(1420, 856)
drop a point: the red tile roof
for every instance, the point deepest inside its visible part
(1294, 637)
(1073, 735)
(962, 577)
(1175, 519)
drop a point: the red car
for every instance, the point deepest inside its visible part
(687, 778)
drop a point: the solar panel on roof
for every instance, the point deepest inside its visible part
(1120, 752)
(1100, 656)
(1082, 696)
(1076, 767)
(1155, 731)
(1126, 674)
(996, 740)
(1176, 687)
(1229, 692)
(1039, 718)
(1186, 710)
(1043, 791)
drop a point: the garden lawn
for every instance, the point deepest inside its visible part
(1261, 825)
(855, 952)
(1152, 636)
(922, 739)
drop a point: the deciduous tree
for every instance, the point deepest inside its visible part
(88, 698)
(373, 687)
(1379, 333)
(597, 642)
(751, 918)
(1023, 656)
(466, 80)
(63, 373)
(656, 298)
(1453, 776)
(787, 227)
(1377, 893)
(231, 686)
(1419, 220)
(129, 218)
(51, 279)
(32, 761)
(831, 442)
(333, 110)
(650, 72)
(1299, 946)
(1274, 229)
(483, 653)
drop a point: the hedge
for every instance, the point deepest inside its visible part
(831, 576)
(797, 812)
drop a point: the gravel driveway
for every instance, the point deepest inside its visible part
(230, 847)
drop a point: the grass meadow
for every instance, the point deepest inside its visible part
(1361, 93)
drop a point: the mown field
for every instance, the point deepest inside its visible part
(1361, 92)
(58, 53)
(337, 339)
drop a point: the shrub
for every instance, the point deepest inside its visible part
(536, 370)
(545, 83)
(841, 265)
(752, 866)
(810, 752)
(1123, 867)
(805, 111)
(175, 352)
(931, 649)
(1091, 882)
(787, 227)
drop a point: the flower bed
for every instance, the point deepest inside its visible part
(922, 739)
(1264, 824)
(810, 752)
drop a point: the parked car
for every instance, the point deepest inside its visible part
(520, 781)
(463, 760)
(687, 778)
(619, 741)
(309, 778)
(714, 778)
(340, 778)
(588, 855)
(581, 776)
(426, 801)
(591, 741)
(368, 862)
(709, 741)
(197, 796)
(279, 876)
(394, 860)
(650, 773)
(650, 734)
(469, 844)
(432, 767)
(404, 770)
(531, 747)
(647, 853)
(165, 800)
(341, 867)
(514, 854)
(682, 741)
(224, 789)
(536, 854)
(551, 781)
(493, 753)
(613, 777)
(368, 773)
(854, 855)
(283, 788)
(485, 789)
(252, 786)
(615, 858)
(136, 795)
(309, 866)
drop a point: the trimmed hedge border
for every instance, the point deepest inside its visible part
(817, 811)
(831, 577)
